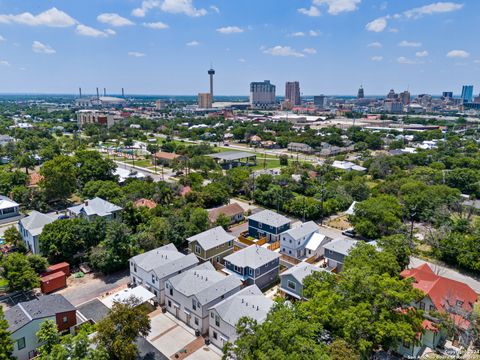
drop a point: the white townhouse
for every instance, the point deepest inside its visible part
(31, 226)
(189, 295)
(153, 268)
(224, 316)
(303, 241)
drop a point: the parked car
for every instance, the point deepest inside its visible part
(350, 233)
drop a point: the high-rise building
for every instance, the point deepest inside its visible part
(447, 95)
(394, 107)
(405, 97)
(292, 92)
(262, 94)
(361, 93)
(319, 101)
(204, 100)
(211, 72)
(392, 95)
(467, 93)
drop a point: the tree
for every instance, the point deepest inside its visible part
(92, 166)
(377, 216)
(119, 329)
(198, 221)
(13, 237)
(215, 194)
(6, 342)
(17, 271)
(283, 160)
(38, 263)
(48, 336)
(399, 246)
(223, 221)
(59, 178)
(25, 160)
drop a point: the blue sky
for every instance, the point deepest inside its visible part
(166, 46)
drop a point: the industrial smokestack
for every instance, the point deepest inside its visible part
(80, 92)
(104, 91)
(98, 94)
(123, 93)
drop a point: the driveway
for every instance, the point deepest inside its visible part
(92, 286)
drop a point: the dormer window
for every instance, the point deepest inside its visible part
(459, 303)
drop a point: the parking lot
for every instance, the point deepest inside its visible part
(172, 337)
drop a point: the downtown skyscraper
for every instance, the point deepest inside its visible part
(292, 92)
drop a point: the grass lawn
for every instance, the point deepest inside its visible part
(269, 164)
(3, 283)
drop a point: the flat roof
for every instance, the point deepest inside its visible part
(232, 155)
(139, 292)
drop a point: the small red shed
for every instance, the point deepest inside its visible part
(52, 282)
(64, 267)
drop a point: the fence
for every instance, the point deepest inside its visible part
(274, 246)
(251, 241)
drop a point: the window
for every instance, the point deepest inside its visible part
(459, 302)
(217, 259)
(135, 267)
(432, 308)
(217, 320)
(171, 291)
(230, 243)
(21, 343)
(65, 319)
(198, 249)
(155, 292)
(215, 336)
(194, 304)
(250, 271)
(422, 305)
(260, 225)
(290, 241)
(291, 285)
(169, 303)
(153, 279)
(196, 321)
(211, 315)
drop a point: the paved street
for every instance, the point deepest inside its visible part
(90, 287)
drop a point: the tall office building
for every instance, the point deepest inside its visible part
(205, 100)
(211, 72)
(319, 101)
(262, 94)
(405, 97)
(361, 93)
(292, 92)
(392, 95)
(467, 93)
(447, 95)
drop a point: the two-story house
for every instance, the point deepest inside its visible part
(190, 294)
(153, 268)
(211, 245)
(269, 224)
(248, 302)
(31, 226)
(90, 209)
(8, 208)
(254, 265)
(336, 251)
(291, 280)
(303, 241)
(25, 318)
(442, 295)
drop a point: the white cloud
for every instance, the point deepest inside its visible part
(393, 30)
(435, 8)
(2, 38)
(182, 7)
(377, 58)
(193, 43)
(298, 34)
(146, 6)
(215, 8)
(336, 7)
(156, 25)
(312, 11)
(462, 54)
(110, 32)
(113, 19)
(374, 44)
(406, 43)
(283, 51)
(4, 63)
(136, 54)
(423, 53)
(89, 31)
(242, 60)
(314, 33)
(40, 48)
(52, 18)
(310, 51)
(230, 30)
(476, 61)
(404, 60)
(377, 25)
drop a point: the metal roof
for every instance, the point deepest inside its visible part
(253, 256)
(35, 222)
(249, 302)
(232, 155)
(303, 230)
(269, 217)
(301, 271)
(212, 238)
(95, 206)
(341, 246)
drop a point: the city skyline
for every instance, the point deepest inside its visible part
(166, 46)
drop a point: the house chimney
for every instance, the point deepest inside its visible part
(257, 307)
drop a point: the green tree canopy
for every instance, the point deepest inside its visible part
(16, 269)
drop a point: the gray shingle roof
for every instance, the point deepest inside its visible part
(301, 271)
(35, 222)
(95, 206)
(304, 229)
(46, 306)
(252, 256)
(269, 217)
(175, 266)
(204, 282)
(247, 302)
(212, 237)
(341, 246)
